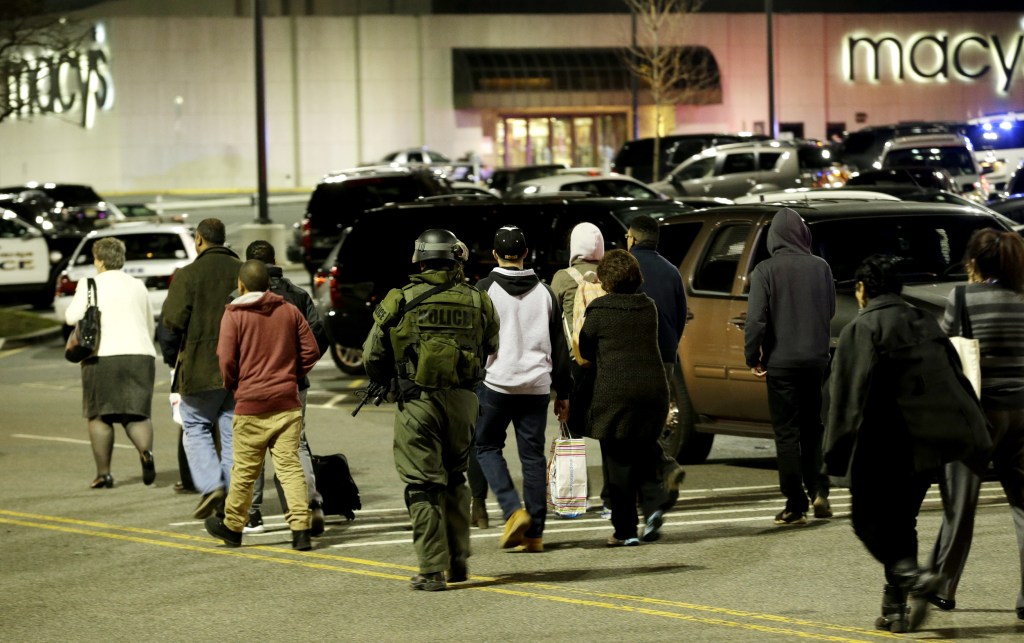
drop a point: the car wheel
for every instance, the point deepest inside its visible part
(43, 299)
(681, 436)
(348, 359)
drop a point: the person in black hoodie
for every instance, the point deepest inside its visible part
(787, 333)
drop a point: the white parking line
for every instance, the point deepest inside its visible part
(69, 440)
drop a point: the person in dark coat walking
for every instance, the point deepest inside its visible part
(664, 285)
(630, 399)
(900, 407)
(194, 306)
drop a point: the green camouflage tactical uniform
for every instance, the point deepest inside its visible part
(437, 352)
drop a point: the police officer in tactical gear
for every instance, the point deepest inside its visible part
(430, 340)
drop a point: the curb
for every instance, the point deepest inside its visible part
(31, 338)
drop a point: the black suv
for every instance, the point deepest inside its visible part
(341, 199)
(636, 158)
(374, 256)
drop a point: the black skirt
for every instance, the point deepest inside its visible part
(118, 385)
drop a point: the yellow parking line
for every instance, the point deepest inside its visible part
(208, 545)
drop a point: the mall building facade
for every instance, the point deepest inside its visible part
(156, 103)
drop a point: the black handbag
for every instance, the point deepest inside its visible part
(85, 339)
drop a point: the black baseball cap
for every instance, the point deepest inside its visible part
(510, 243)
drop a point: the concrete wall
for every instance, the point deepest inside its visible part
(344, 90)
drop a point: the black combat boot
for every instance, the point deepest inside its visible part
(894, 610)
(918, 584)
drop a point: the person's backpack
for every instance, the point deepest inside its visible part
(437, 346)
(588, 288)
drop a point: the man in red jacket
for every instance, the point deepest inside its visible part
(268, 415)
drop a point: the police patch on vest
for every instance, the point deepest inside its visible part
(445, 317)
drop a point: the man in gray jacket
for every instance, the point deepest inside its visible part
(787, 333)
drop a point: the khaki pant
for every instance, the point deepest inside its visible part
(432, 439)
(253, 436)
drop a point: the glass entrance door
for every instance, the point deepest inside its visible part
(584, 140)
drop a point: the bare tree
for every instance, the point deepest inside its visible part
(673, 73)
(32, 45)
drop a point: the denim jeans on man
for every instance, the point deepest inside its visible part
(528, 415)
(202, 414)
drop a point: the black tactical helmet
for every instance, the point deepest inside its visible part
(437, 244)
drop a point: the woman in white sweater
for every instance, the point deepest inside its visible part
(117, 384)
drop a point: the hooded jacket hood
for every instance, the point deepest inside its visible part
(258, 301)
(513, 281)
(789, 233)
(586, 243)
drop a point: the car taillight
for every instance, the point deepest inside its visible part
(307, 234)
(985, 186)
(334, 288)
(65, 287)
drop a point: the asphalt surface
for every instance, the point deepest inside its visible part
(130, 563)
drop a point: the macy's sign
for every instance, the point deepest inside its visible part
(925, 57)
(72, 82)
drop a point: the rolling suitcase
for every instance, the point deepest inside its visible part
(334, 482)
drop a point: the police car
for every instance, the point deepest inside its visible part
(27, 264)
(153, 252)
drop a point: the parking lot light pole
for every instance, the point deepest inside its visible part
(262, 211)
(773, 126)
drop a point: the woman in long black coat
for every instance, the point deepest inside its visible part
(630, 398)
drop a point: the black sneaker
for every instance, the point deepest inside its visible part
(216, 528)
(209, 504)
(433, 582)
(791, 518)
(255, 524)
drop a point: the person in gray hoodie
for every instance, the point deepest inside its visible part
(530, 361)
(787, 333)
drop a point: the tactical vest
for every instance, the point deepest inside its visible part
(437, 344)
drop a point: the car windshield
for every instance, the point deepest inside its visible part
(958, 160)
(926, 248)
(697, 169)
(73, 194)
(149, 246)
(358, 195)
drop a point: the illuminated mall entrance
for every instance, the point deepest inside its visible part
(583, 140)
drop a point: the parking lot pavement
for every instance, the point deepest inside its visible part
(130, 562)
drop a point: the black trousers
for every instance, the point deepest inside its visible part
(886, 496)
(794, 400)
(632, 470)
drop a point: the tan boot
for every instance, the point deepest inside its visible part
(478, 514)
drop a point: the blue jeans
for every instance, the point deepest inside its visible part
(200, 412)
(528, 415)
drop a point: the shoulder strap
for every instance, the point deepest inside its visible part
(91, 294)
(962, 319)
(575, 274)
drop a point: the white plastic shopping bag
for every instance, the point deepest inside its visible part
(567, 475)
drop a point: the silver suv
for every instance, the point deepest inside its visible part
(952, 152)
(743, 168)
